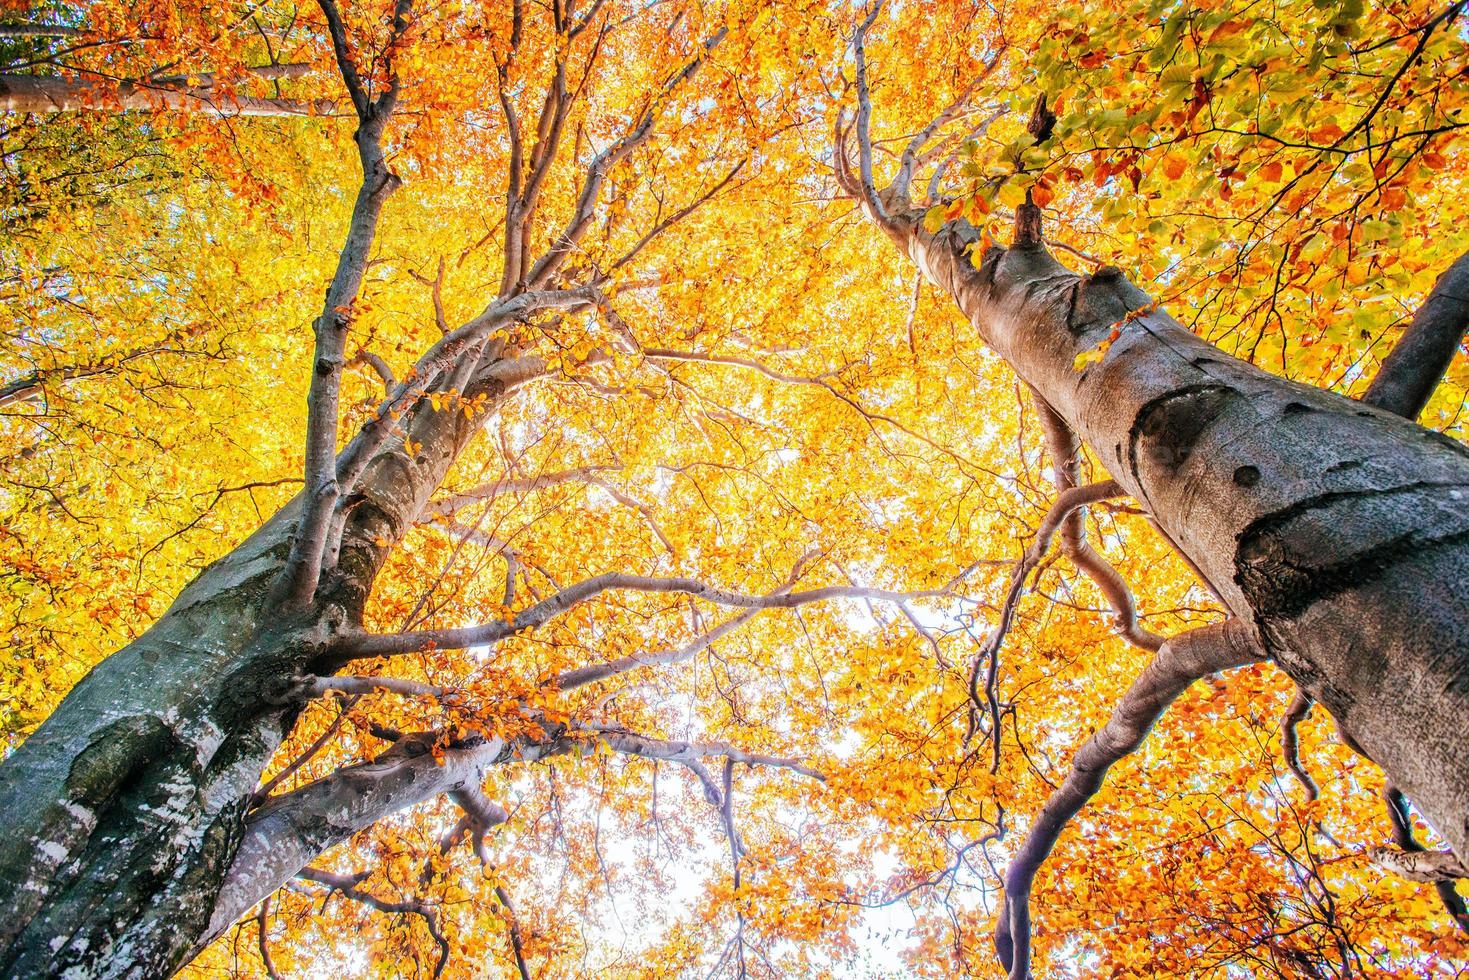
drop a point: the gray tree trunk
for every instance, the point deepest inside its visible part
(124, 811)
(1338, 531)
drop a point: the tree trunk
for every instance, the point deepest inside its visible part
(126, 808)
(1337, 530)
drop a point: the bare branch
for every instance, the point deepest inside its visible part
(676, 217)
(45, 94)
(631, 743)
(289, 831)
(1414, 368)
(501, 488)
(582, 676)
(349, 886)
(517, 946)
(1067, 503)
(1300, 708)
(1065, 452)
(379, 367)
(864, 119)
(1420, 865)
(385, 645)
(38, 30)
(345, 64)
(261, 921)
(484, 812)
(1181, 661)
(913, 152)
(603, 163)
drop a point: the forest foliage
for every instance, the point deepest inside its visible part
(763, 398)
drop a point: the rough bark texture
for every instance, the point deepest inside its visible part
(126, 808)
(1338, 531)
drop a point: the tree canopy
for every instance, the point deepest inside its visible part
(739, 580)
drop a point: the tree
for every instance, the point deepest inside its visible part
(1309, 516)
(644, 324)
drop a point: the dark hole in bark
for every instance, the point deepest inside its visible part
(1295, 408)
(1247, 476)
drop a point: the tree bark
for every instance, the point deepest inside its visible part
(1337, 531)
(126, 808)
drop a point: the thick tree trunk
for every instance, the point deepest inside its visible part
(1339, 531)
(124, 812)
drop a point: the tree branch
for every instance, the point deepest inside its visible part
(1420, 865)
(308, 547)
(676, 217)
(1181, 661)
(1415, 366)
(1403, 837)
(349, 886)
(448, 506)
(1065, 452)
(603, 163)
(386, 645)
(1067, 503)
(517, 946)
(46, 94)
(582, 676)
(315, 687)
(1300, 708)
(864, 119)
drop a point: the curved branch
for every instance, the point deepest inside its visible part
(1184, 659)
(350, 887)
(1300, 708)
(1067, 503)
(1065, 452)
